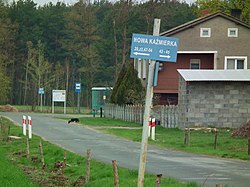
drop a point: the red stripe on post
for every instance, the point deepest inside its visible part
(153, 122)
(29, 120)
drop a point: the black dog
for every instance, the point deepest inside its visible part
(76, 120)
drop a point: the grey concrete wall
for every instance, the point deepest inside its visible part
(219, 104)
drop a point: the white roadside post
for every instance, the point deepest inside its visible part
(24, 125)
(149, 126)
(153, 129)
(148, 103)
(30, 127)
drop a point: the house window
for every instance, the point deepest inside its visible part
(232, 32)
(205, 32)
(195, 63)
(235, 62)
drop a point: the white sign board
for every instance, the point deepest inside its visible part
(59, 95)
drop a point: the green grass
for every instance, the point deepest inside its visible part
(97, 121)
(201, 142)
(48, 109)
(11, 175)
(18, 170)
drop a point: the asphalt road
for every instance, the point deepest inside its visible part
(208, 171)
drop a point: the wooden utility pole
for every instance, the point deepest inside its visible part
(148, 103)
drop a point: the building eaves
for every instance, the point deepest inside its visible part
(214, 75)
(197, 21)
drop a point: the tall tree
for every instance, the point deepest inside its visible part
(52, 21)
(31, 60)
(128, 89)
(82, 26)
(81, 42)
(7, 51)
(212, 6)
(23, 13)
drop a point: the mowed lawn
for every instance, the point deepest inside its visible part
(201, 142)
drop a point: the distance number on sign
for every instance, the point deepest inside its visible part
(162, 51)
(143, 49)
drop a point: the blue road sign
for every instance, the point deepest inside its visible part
(159, 48)
(41, 91)
(77, 87)
(155, 80)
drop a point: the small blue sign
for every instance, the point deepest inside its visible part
(157, 64)
(159, 48)
(41, 91)
(78, 87)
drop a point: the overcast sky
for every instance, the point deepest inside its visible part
(42, 2)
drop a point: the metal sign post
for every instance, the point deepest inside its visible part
(41, 92)
(78, 91)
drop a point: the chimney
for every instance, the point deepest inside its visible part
(236, 13)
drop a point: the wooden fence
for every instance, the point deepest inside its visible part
(166, 116)
(133, 113)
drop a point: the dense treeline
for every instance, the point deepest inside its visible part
(54, 46)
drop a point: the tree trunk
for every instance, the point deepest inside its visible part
(115, 52)
(124, 44)
(26, 83)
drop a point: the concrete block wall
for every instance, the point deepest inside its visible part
(213, 103)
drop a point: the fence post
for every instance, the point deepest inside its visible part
(158, 180)
(116, 178)
(41, 156)
(187, 136)
(4, 131)
(28, 148)
(248, 146)
(172, 116)
(176, 116)
(65, 158)
(1, 123)
(215, 138)
(88, 166)
(8, 132)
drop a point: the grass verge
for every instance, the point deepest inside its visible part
(48, 109)
(201, 142)
(19, 170)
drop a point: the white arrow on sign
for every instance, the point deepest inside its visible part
(165, 56)
(144, 54)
